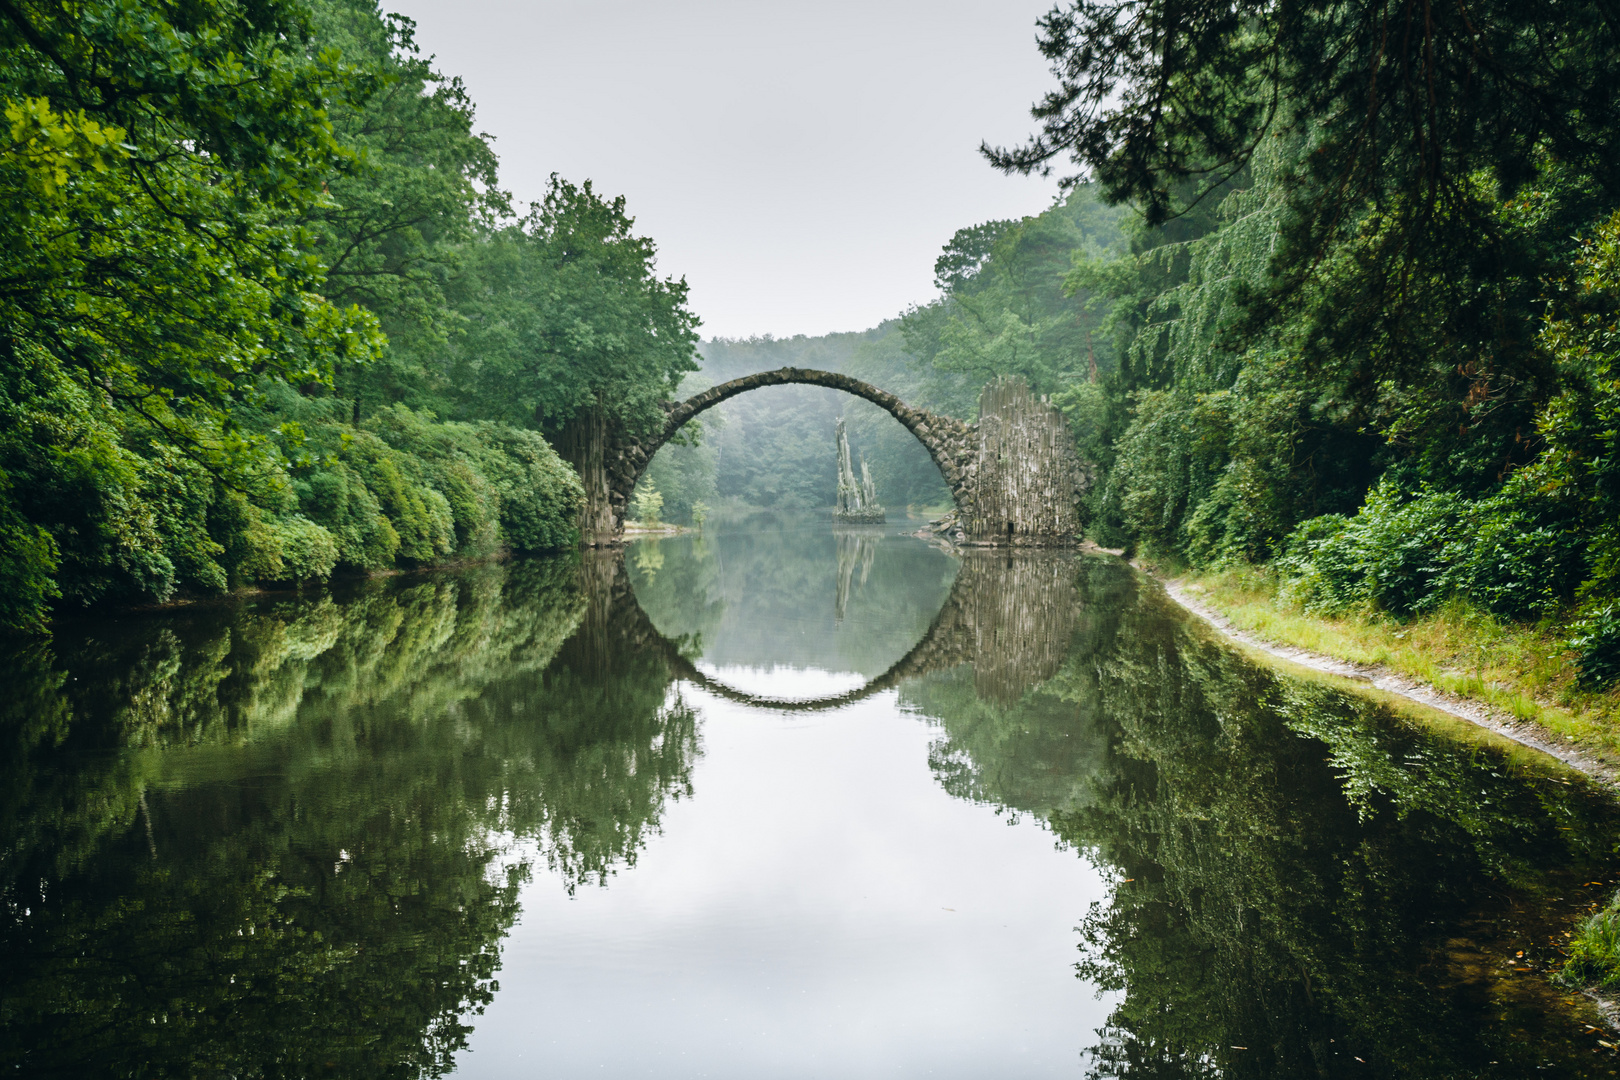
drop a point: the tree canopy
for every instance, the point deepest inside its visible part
(237, 240)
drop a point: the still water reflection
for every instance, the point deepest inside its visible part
(770, 802)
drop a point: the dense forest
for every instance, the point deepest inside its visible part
(266, 313)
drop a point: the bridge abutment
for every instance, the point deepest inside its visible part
(1026, 479)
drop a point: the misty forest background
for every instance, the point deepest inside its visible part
(1331, 288)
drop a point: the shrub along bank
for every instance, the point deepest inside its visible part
(143, 523)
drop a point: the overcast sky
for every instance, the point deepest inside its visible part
(799, 164)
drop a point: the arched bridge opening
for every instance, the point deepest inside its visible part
(1013, 474)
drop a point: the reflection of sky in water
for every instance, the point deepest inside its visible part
(787, 590)
(783, 681)
(819, 908)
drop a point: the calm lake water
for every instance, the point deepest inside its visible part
(777, 801)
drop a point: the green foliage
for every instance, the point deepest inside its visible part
(647, 505)
(1003, 309)
(154, 162)
(1597, 638)
(539, 494)
(1405, 554)
(566, 314)
(212, 219)
(1594, 951)
(422, 185)
(1580, 467)
(1303, 312)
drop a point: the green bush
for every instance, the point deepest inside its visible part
(1515, 561)
(419, 515)
(1597, 639)
(308, 552)
(282, 550)
(1508, 554)
(179, 493)
(540, 495)
(443, 451)
(336, 497)
(1389, 555)
(28, 562)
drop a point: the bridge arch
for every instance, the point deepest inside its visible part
(949, 441)
(1013, 474)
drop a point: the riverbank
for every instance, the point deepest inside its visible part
(638, 529)
(1514, 679)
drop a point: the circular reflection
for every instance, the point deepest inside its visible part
(782, 611)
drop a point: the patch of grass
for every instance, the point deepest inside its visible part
(1594, 952)
(1521, 668)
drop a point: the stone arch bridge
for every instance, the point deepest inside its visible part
(1013, 474)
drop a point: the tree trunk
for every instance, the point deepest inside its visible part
(583, 444)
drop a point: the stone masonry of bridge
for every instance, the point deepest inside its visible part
(1014, 475)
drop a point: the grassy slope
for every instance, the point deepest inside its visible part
(1519, 668)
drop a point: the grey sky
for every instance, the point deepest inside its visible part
(800, 165)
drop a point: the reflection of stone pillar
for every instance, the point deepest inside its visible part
(1022, 610)
(603, 583)
(854, 548)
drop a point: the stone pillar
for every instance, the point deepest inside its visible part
(1028, 481)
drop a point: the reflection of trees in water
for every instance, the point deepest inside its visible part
(294, 859)
(1298, 871)
(273, 840)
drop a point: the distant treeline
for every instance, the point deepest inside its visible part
(265, 311)
(1321, 294)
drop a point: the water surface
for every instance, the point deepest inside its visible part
(774, 801)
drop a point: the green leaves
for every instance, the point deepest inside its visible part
(566, 313)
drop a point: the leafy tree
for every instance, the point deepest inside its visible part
(1376, 193)
(422, 184)
(155, 161)
(1003, 310)
(566, 316)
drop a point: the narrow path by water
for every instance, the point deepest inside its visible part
(1498, 721)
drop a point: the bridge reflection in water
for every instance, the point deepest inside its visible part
(1296, 877)
(1010, 613)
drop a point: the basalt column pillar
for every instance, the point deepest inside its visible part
(1029, 479)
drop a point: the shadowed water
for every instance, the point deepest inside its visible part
(774, 801)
